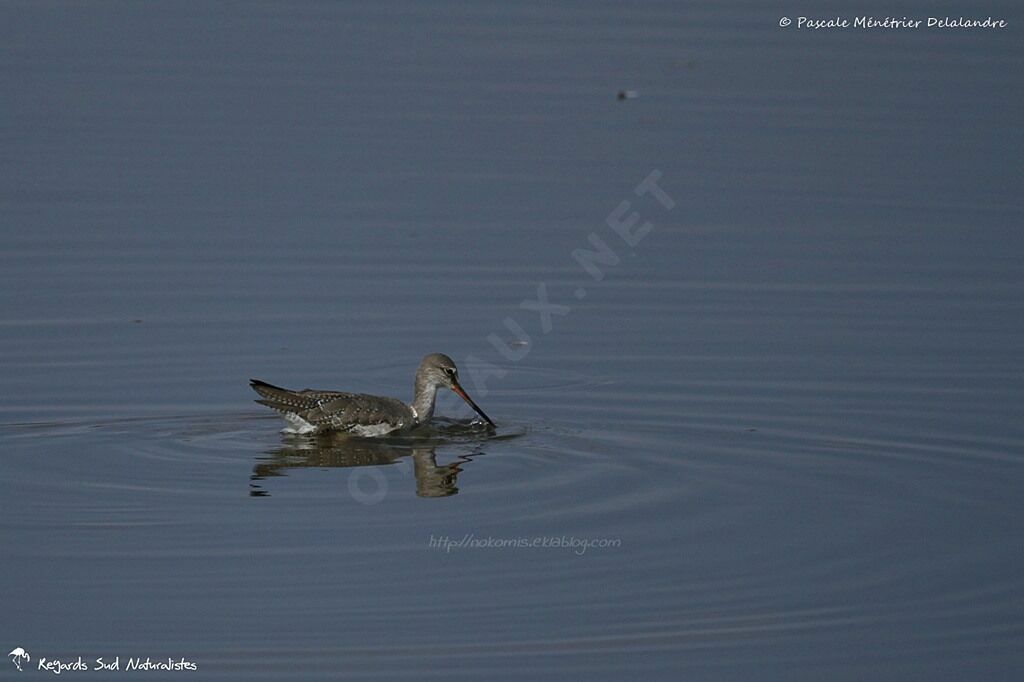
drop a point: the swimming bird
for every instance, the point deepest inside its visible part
(309, 411)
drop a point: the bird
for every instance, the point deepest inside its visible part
(310, 412)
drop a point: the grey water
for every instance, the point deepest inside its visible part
(776, 434)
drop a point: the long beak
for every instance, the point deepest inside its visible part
(462, 394)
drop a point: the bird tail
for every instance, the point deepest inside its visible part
(273, 396)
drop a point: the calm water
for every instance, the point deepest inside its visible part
(788, 418)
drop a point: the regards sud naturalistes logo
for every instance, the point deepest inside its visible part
(22, 659)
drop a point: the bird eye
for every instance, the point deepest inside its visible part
(450, 371)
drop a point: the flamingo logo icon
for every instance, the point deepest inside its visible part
(19, 655)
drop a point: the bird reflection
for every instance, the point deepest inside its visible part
(432, 479)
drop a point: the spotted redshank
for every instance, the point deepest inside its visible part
(308, 411)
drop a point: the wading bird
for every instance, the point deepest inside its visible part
(309, 412)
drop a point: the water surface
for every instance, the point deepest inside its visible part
(786, 423)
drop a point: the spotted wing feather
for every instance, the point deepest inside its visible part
(335, 411)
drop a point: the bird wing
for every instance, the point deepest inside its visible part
(347, 411)
(332, 409)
